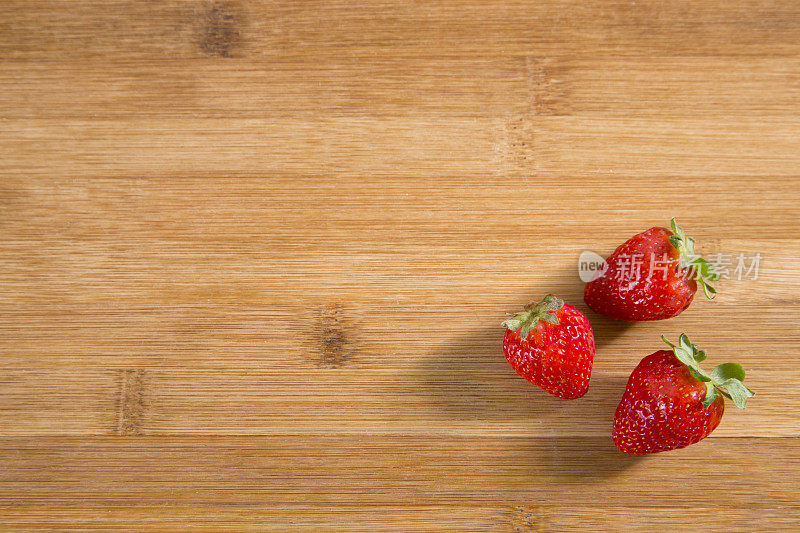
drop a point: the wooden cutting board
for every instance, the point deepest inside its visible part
(254, 257)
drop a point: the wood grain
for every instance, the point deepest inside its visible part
(253, 257)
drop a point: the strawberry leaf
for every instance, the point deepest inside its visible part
(550, 303)
(684, 356)
(708, 290)
(726, 371)
(685, 343)
(550, 317)
(711, 394)
(699, 375)
(726, 379)
(692, 264)
(677, 229)
(528, 319)
(738, 391)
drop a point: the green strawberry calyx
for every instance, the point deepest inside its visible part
(702, 269)
(533, 313)
(726, 379)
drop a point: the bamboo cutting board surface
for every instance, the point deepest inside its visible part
(254, 257)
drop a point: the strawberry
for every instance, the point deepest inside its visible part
(670, 402)
(652, 276)
(551, 345)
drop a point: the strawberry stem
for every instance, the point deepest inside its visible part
(726, 379)
(533, 313)
(691, 262)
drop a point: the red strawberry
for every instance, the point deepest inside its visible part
(652, 276)
(670, 402)
(551, 345)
